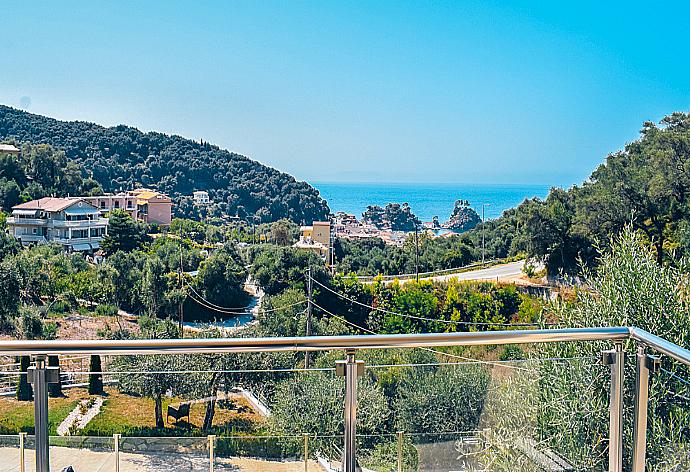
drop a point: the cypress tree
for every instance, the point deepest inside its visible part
(54, 389)
(95, 377)
(24, 390)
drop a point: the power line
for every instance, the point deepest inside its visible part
(455, 356)
(422, 318)
(210, 303)
(204, 303)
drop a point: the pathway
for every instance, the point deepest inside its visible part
(85, 460)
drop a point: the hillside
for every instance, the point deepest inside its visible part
(123, 157)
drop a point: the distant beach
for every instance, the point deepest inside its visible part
(427, 200)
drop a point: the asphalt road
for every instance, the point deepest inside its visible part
(500, 272)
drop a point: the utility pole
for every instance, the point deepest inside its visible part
(309, 310)
(484, 205)
(180, 307)
(416, 250)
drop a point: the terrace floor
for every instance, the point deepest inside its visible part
(84, 460)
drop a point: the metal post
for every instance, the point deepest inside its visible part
(645, 365)
(37, 378)
(416, 251)
(116, 447)
(483, 224)
(309, 312)
(400, 451)
(22, 445)
(306, 452)
(211, 451)
(615, 359)
(350, 369)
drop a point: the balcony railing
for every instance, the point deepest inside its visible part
(468, 444)
(80, 223)
(26, 221)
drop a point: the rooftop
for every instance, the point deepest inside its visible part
(9, 148)
(49, 204)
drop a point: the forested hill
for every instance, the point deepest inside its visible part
(123, 157)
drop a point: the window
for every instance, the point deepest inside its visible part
(117, 204)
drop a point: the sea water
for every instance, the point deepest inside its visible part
(427, 200)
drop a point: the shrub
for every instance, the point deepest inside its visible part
(106, 310)
(95, 379)
(29, 323)
(24, 391)
(54, 389)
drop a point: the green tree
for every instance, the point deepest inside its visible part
(646, 184)
(54, 389)
(276, 268)
(221, 278)
(445, 398)
(24, 391)
(95, 376)
(284, 232)
(155, 288)
(312, 403)
(153, 385)
(9, 292)
(124, 234)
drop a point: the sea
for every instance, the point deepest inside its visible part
(427, 200)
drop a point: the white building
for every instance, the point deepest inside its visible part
(9, 149)
(201, 197)
(74, 223)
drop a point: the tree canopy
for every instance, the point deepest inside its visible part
(123, 157)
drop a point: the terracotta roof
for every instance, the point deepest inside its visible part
(143, 194)
(48, 204)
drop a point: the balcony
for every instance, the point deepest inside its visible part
(507, 414)
(79, 224)
(13, 221)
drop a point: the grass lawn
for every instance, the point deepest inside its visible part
(16, 416)
(127, 415)
(133, 416)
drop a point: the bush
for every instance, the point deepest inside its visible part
(24, 390)
(60, 307)
(106, 310)
(54, 389)
(29, 323)
(95, 379)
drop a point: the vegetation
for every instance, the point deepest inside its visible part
(39, 171)
(95, 376)
(372, 256)
(394, 216)
(646, 184)
(122, 157)
(124, 234)
(24, 391)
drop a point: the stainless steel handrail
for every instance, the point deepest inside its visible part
(311, 343)
(661, 345)
(351, 343)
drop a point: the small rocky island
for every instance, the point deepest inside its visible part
(463, 217)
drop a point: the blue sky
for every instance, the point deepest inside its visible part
(500, 92)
